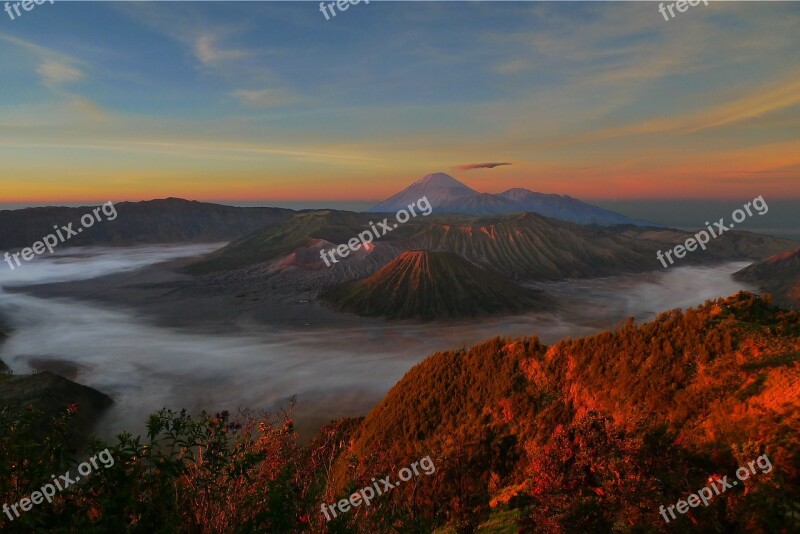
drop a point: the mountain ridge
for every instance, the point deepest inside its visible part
(168, 220)
(538, 429)
(778, 274)
(448, 195)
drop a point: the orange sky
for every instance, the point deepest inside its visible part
(597, 100)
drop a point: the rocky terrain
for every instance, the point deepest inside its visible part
(779, 275)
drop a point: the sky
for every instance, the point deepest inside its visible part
(257, 102)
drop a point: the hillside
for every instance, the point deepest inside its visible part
(535, 247)
(299, 231)
(431, 285)
(530, 246)
(779, 275)
(171, 220)
(525, 246)
(4, 331)
(587, 435)
(566, 208)
(49, 395)
(694, 393)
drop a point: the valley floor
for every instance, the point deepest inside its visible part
(149, 337)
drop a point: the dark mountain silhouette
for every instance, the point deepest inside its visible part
(171, 220)
(4, 332)
(779, 275)
(49, 394)
(448, 195)
(432, 285)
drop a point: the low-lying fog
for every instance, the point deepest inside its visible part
(333, 372)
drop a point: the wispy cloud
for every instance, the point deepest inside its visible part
(208, 51)
(56, 72)
(192, 148)
(265, 98)
(758, 103)
(87, 108)
(56, 69)
(471, 166)
(513, 66)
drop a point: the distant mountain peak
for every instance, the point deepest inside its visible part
(439, 188)
(448, 195)
(515, 190)
(440, 179)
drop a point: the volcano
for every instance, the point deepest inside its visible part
(430, 285)
(448, 195)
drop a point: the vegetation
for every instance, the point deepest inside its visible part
(590, 434)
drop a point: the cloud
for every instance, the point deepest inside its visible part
(57, 72)
(513, 67)
(197, 148)
(265, 98)
(87, 108)
(758, 103)
(206, 50)
(55, 68)
(471, 166)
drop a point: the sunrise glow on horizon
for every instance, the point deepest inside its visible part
(261, 102)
